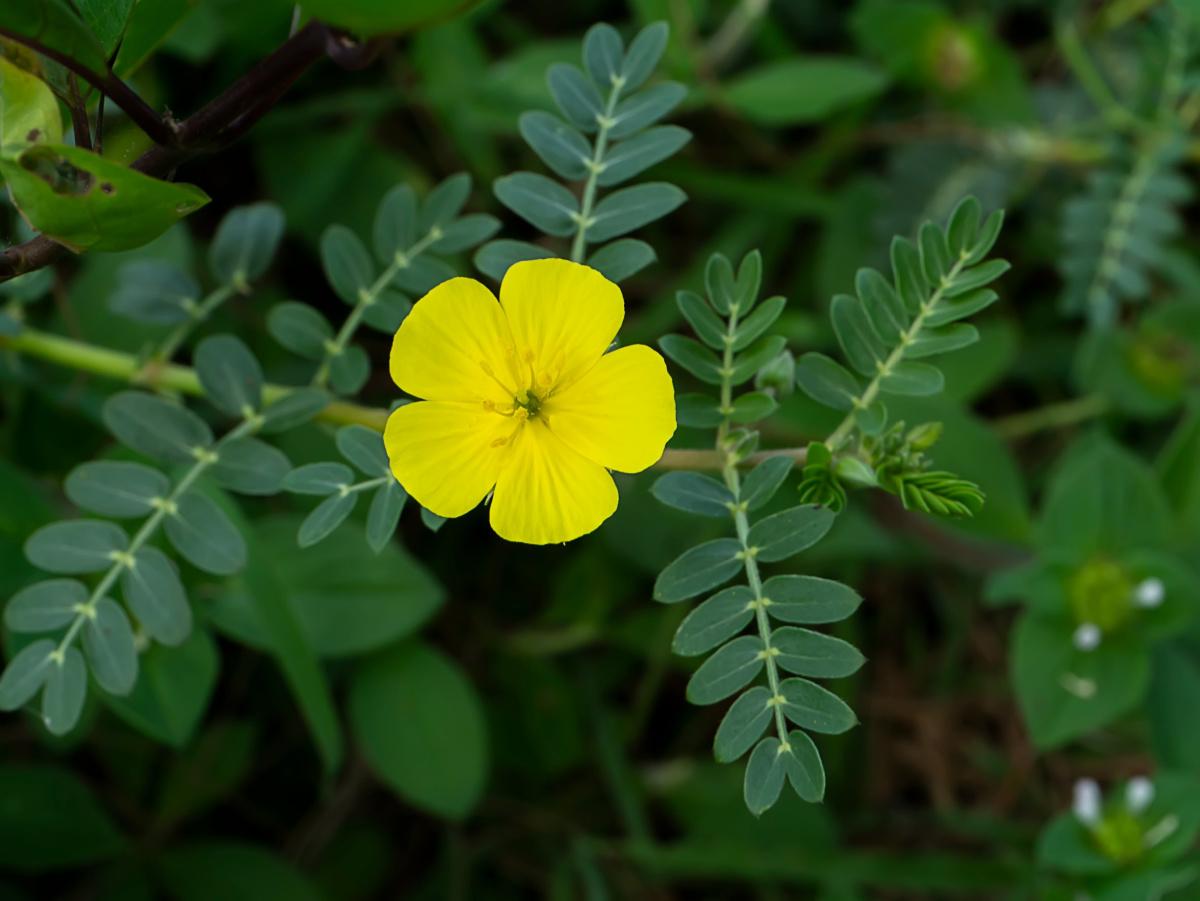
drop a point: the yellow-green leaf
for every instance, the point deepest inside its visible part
(28, 111)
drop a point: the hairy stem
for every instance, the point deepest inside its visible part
(368, 297)
(1052, 416)
(595, 166)
(729, 471)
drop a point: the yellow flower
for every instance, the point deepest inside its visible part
(519, 396)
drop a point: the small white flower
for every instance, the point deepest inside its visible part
(1149, 593)
(1139, 794)
(1086, 637)
(1087, 802)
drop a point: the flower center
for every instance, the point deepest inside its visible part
(1101, 592)
(532, 404)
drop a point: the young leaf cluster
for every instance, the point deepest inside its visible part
(409, 238)
(888, 327)
(161, 495)
(778, 609)
(606, 136)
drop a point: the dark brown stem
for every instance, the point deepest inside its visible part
(213, 126)
(142, 114)
(79, 116)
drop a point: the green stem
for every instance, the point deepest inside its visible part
(595, 166)
(196, 315)
(124, 367)
(1052, 416)
(1066, 35)
(163, 507)
(864, 400)
(366, 298)
(741, 522)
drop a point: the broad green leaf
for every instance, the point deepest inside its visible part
(746, 365)
(962, 226)
(708, 326)
(720, 283)
(87, 202)
(250, 466)
(209, 771)
(755, 325)
(827, 382)
(116, 488)
(45, 606)
(753, 407)
(51, 821)
(325, 517)
(883, 306)
(804, 769)
(543, 203)
(603, 54)
(698, 411)
(54, 24)
(371, 17)
(718, 619)
(202, 871)
(388, 310)
(935, 255)
(267, 596)
(970, 280)
(1065, 693)
(693, 492)
(347, 264)
(765, 772)
(749, 281)
(421, 727)
(156, 427)
(808, 653)
(645, 108)
(384, 514)
(245, 242)
(26, 673)
(494, 258)
(910, 282)
(558, 144)
(395, 227)
(155, 595)
(111, 654)
(76, 546)
(637, 154)
(465, 232)
(107, 19)
(961, 307)
(349, 369)
(803, 89)
(622, 259)
(697, 570)
(644, 52)
(205, 536)
(857, 336)
(930, 342)
(809, 599)
(318, 478)
(154, 292)
(730, 669)
(913, 379)
(444, 203)
(630, 208)
(28, 111)
(293, 409)
(692, 356)
(760, 485)
(150, 24)
(743, 724)
(815, 708)
(788, 532)
(1174, 729)
(172, 691)
(575, 95)
(364, 448)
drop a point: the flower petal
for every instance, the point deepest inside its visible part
(548, 493)
(443, 453)
(445, 346)
(621, 413)
(562, 314)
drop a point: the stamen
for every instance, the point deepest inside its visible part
(490, 373)
(492, 408)
(1086, 804)
(1139, 794)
